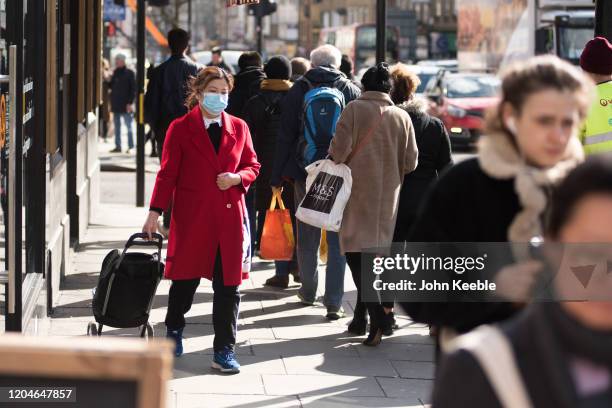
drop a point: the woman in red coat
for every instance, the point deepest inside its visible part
(208, 163)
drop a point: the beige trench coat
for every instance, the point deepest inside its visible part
(378, 168)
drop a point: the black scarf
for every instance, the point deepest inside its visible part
(577, 339)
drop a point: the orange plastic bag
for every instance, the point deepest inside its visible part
(323, 248)
(277, 240)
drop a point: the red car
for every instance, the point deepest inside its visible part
(460, 101)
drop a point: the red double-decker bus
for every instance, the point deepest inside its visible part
(358, 41)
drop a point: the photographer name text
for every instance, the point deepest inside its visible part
(425, 285)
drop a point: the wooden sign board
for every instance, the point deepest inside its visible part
(84, 372)
(233, 3)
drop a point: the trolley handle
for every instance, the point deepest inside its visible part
(142, 239)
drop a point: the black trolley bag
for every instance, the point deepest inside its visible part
(126, 287)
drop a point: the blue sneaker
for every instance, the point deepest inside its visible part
(226, 362)
(177, 336)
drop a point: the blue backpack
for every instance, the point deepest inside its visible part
(323, 105)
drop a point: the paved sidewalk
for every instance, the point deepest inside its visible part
(291, 355)
(124, 162)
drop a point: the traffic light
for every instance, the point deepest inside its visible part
(265, 7)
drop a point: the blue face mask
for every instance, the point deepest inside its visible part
(214, 103)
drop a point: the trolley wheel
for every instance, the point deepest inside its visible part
(150, 331)
(92, 329)
(146, 331)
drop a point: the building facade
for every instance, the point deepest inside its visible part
(50, 52)
(427, 28)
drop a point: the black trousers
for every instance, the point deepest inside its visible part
(226, 303)
(353, 259)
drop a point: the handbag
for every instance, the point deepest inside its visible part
(328, 189)
(277, 240)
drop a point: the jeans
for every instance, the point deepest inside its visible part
(308, 239)
(226, 303)
(127, 118)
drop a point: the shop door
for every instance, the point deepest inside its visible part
(22, 181)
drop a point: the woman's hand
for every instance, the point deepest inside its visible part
(227, 180)
(150, 225)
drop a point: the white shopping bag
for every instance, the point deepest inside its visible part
(246, 243)
(328, 188)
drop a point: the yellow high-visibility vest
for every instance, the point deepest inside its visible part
(596, 135)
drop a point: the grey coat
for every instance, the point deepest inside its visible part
(378, 168)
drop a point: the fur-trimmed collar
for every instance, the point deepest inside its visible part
(416, 105)
(499, 159)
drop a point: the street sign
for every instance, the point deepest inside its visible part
(232, 3)
(442, 43)
(113, 12)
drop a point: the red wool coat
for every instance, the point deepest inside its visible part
(204, 217)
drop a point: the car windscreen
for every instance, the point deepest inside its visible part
(472, 86)
(425, 78)
(572, 41)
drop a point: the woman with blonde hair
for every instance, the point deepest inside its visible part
(433, 144)
(208, 163)
(503, 195)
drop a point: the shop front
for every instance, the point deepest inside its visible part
(50, 66)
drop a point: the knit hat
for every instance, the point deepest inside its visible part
(278, 67)
(597, 57)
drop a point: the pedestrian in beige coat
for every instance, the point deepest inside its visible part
(382, 139)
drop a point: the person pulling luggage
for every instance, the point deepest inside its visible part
(208, 164)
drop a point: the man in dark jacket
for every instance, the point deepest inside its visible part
(217, 61)
(247, 82)
(246, 85)
(262, 114)
(123, 93)
(325, 61)
(167, 91)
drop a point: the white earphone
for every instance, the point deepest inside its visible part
(511, 125)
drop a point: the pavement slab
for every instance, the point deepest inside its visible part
(308, 385)
(291, 355)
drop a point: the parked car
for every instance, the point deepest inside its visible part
(460, 101)
(426, 73)
(449, 65)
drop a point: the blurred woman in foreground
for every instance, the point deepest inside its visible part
(553, 354)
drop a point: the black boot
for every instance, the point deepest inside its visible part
(379, 324)
(393, 326)
(358, 325)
